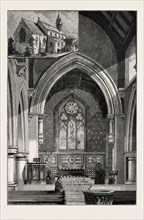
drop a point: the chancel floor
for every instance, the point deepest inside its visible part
(72, 193)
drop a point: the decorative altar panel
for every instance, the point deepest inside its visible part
(75, 161)
(72, 161)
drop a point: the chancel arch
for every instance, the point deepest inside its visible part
(104, 83)
(88, 66)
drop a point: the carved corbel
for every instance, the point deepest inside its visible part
(22, 71)
(121, 93)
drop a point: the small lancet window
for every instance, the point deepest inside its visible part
(22, 35)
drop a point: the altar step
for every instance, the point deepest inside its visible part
(74, 187)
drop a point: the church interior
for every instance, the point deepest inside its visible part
(72, 118)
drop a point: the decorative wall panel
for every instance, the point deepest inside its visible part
(94, 121)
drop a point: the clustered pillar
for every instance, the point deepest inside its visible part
(40, 129)
(12, 150)
(21, 163)
(131, 170)
(111, 129)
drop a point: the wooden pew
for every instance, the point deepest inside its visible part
(36, 197)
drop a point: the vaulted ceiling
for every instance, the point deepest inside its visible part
(119, 25)
(77, 79)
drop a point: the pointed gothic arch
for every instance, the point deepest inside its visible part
(88, 66)
(102, 78)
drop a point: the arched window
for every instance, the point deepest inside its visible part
(36, 40)
(71, 127)
(22, 35)
(51, 44)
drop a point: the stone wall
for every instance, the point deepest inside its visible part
(95, 43)
(130, 62)
(94, 121)
(20, 47)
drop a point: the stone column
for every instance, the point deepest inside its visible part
(12, 150)
(111, 129)
(55, 47)
(131, 162)
(119, 148)
(33, 137)
(21, 163)
(40, 129)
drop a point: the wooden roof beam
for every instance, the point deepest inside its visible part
(124, 18)
(112, 20)
(80, 78)
(129, 36)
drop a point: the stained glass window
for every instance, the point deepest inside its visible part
(71, 127)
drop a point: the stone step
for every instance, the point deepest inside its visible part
(75, 203)
(74, 197)
(74, 187)
(74, 193)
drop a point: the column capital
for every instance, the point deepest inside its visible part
(110, 116)
(12, 149)
(21, 155)
(21, 70)
(31, 115)
(31, 92)
(40, 116)
(121, 115)
(121, 92)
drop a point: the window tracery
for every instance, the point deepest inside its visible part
(71, 127)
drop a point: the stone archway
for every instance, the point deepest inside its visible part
(105, 83)
(88, 66)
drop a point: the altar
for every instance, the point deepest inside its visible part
(73, 163)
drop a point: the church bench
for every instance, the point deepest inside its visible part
(36, 197)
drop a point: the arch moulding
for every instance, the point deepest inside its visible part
(86, 65)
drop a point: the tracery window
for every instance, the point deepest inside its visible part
(71, 127)
(22, 35)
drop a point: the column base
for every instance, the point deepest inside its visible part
(130, 183)
(12, 186)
